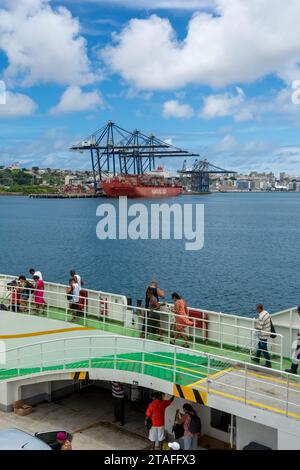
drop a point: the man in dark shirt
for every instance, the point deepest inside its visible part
(157, 292)
(118, 395)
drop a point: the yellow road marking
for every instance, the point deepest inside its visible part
(41, 333)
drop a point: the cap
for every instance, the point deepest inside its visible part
(61, 436)
(174, 445)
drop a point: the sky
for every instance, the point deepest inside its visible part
(220, 78)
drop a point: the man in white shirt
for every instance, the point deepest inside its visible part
(73, 293)
(33, 272)
(264, 328)
(296, 355)
(77, 278)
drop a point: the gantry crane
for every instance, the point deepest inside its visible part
(199, 174)
(114, 150)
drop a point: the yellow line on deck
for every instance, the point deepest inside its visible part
(251, 402)
(272, 379)
(48, 332)
(217, 374)
(150, 364)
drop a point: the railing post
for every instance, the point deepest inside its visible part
(208, 366)
(90, 353)
(291, 326)
(287, 396)
(220, 328)
(84, 317)
(146, 323)
(169, 328)
(174, 366)
(143, 356)
(115, 352)
(281, 352)
(194, 335)
(104, 315)
(41, 354)
(64, 353)
(18, 361)
(246, 377)
(66, 313)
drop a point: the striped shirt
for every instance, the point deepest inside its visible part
(117, 390)
(264, 324)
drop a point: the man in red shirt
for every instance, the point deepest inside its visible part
(156, 411)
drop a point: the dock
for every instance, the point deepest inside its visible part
(65, 196)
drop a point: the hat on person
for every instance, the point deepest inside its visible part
(61, 436)
(174, 445)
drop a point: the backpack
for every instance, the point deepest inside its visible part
(195, 425)
(273, 331)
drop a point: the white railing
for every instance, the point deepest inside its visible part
(111, 313)
(278, 393)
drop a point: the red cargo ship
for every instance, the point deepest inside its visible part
(146, 186)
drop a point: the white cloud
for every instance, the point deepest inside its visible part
(226, 104)
(159, 4)
(240, 43)
(42, 44)
(175, 109)
(17, 105)
(75, 100)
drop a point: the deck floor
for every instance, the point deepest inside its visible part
(264, 391)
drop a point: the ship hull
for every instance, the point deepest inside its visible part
(130, 191)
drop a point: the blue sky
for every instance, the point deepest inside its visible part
(213, 76)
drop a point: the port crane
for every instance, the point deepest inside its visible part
(197, 176)
(114, 150)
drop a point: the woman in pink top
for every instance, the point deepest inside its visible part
(182, 320)
(39, 301)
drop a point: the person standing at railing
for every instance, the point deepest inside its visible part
(14, 288)
(77, 278)
(33, 273)
(26, 289)
(39, 301)
(296, 355)
(73, 295)
(155, 419)
(155, 293)
(182, 321)
(264, 330)
(153, 316)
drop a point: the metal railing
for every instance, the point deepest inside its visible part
(110, 312)
(212, 374)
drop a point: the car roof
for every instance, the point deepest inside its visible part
(15, 439)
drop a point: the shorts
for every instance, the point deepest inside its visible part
(157, 433)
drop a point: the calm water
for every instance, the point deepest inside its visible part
(251, 251)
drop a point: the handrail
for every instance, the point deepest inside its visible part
(219, 332)
(245, 386)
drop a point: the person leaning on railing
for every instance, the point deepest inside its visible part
(153, 317)
(296, 356)
(152, 291)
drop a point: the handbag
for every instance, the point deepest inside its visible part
(148, 422)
